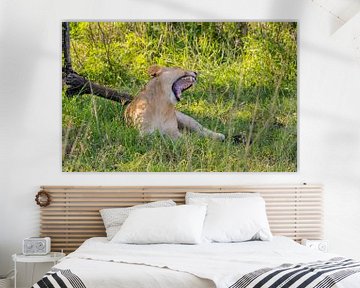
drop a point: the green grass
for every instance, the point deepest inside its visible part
(247, 84)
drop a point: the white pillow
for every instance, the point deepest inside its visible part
(203, 198)
(113, 218)
(236, 220)
(180, 224)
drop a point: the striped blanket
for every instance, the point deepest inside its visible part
(57, 278)
(319, 274)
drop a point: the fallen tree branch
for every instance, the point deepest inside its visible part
(79, 85)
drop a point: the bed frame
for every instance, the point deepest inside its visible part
(73, 214)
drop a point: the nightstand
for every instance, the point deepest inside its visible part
(320, 245)
(53, 257)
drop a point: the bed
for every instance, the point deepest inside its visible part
(294, 211)
(99, 263)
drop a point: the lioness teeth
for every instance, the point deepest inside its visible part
(190, 78)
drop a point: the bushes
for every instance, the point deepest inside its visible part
(270, 56)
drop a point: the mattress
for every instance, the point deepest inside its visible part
(99, 263)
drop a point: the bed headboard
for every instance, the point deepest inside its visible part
(73, 214)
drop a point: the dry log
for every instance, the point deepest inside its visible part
(79, 85)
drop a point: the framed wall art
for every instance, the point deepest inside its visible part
(179, 96)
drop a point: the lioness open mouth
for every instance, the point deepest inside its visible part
(181, 84)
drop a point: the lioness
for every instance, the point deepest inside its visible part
(154, 107)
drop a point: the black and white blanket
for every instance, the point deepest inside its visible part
(58, 278)
(319, 274)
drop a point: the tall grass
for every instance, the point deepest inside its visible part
(246, 84)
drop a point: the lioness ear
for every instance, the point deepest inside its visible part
(154, 70)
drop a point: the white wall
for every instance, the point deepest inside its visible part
(30, 116)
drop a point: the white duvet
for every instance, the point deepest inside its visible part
(100, 263)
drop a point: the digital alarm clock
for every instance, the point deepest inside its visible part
(36, 246)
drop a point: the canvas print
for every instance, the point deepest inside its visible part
(179, 96)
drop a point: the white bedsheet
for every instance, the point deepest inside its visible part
(102, 264)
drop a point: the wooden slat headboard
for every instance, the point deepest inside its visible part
(73, 215)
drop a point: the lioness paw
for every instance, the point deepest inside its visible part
(220, 136)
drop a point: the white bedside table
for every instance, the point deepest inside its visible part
(53, 257)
